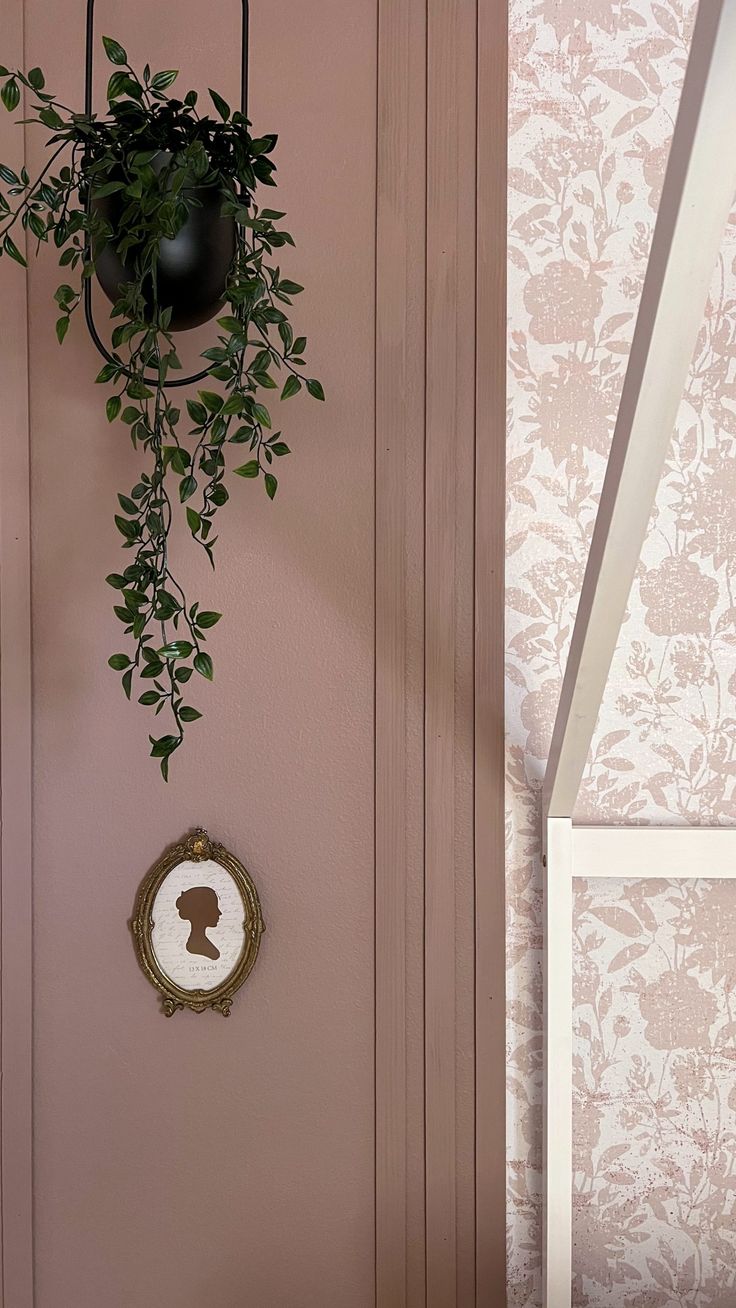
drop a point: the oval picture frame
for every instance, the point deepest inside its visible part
(197, 926)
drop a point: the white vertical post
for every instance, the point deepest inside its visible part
(557, 1218)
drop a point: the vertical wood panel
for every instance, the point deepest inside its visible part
(455, 292)
(400, 236)
(489, 649)
(16, 1187)
(450, 455)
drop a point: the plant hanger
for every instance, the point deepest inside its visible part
(88, 86)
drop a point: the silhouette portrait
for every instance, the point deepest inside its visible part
(201, 908)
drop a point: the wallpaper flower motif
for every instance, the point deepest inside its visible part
(654, 1094)
(593, 96)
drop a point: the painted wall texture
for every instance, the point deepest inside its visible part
(337, 1140)
(199, 1160)
(594, 90)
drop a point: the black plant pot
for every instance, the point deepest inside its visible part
(192, 268)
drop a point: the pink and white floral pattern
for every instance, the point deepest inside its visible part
(593, 95)
(654, 1105)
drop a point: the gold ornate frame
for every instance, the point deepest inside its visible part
(197, 848)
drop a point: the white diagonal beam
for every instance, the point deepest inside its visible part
(696, 200)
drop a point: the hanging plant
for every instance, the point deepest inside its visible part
(158, 201)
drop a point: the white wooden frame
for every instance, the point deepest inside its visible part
(601, 853)
(697, 196)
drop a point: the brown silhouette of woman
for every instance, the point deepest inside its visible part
(200, 906)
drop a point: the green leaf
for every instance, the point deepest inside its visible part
(194, 520)
(10, 95)
(109, 188)
(116, 581)
(113, 407)
(152, 670)
(207, 618)
(222, 106)
(261, 414)
(37, 79)
(117, 85)
(149, 697)
(250, 469)
(37, 225)
(197, 412)
(11, 248)
(187, 487)
(271, 485)
(189, 714)
(160, 81)
(262, 145)
(292, 386)
(176, 649)
(230, 324)
(50, 118)
(62, 327)
(127, 680)
(114, 51)
(7, 175)
(315, 388)
(128, 529)
(212, 401)
(242, 435)
(164, 746)
(119, 661)
(280, 448)
(203, 664)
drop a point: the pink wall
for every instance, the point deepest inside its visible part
(197, 1160)
(352, 747)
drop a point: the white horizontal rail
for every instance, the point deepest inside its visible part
(670, 852)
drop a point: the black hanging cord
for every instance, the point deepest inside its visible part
(88, 80)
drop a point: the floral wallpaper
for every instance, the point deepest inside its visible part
(594, 87)
(654, 1094)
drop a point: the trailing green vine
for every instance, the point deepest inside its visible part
(154, 154)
